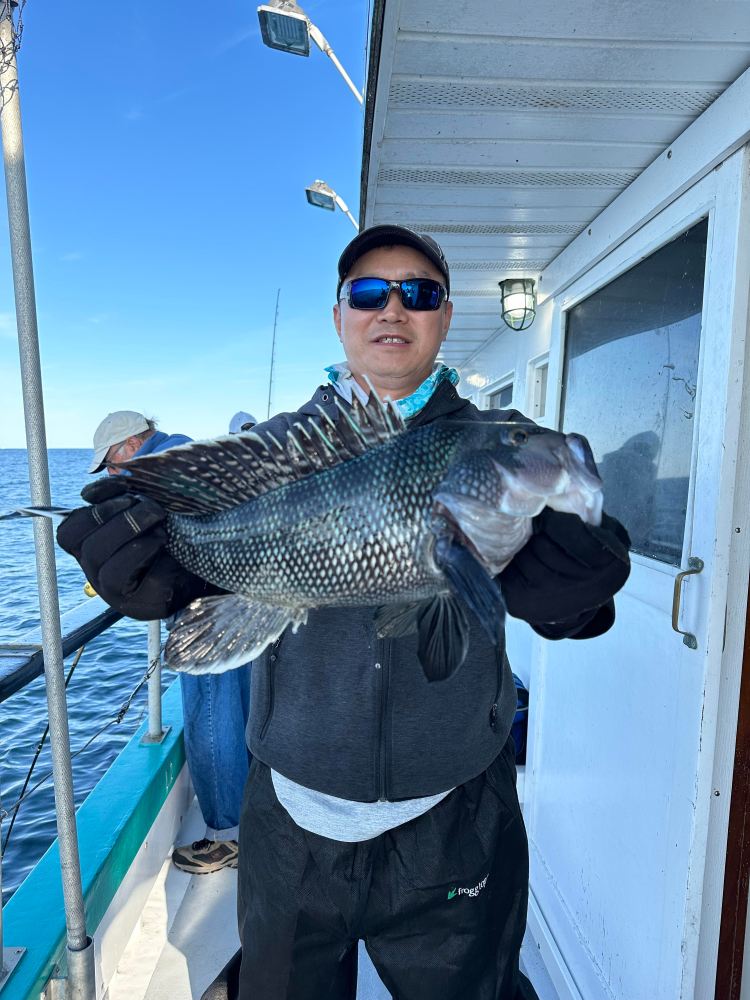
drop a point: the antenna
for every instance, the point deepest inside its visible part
(273, 353)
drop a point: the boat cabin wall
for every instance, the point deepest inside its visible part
(631, 742)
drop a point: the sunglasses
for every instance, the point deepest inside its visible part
(420, 294)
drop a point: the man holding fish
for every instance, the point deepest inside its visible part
(364, 555)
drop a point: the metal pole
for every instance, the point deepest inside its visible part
(345, 209)
(273, 353)
(80, 947)
(317, 36)
(155, 731)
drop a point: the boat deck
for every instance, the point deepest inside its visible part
(187, 932)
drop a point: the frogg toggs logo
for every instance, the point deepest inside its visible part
(473, 891)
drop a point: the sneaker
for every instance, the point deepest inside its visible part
(204, 856)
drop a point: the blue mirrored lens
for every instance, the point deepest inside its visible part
(369, 293)
(420, 293)
(416, 293)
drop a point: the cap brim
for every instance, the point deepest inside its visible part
(98, 462)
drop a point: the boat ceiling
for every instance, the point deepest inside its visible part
(504, 128)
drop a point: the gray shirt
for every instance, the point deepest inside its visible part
(343, 819)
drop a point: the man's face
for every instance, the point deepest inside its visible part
(394, 347)
(122, 452)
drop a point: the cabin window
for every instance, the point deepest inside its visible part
(500, 397)
(629, 384)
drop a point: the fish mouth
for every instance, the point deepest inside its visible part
(581, 451)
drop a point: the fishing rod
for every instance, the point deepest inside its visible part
(273, 353)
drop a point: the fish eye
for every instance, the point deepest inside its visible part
(518, 436)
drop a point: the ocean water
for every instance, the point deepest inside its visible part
(109, 669)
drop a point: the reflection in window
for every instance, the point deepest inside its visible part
(629, 385)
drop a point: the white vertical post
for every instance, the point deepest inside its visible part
(80, 949)
(154, 681)
(155, 731)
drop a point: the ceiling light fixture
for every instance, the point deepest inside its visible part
(518, 302)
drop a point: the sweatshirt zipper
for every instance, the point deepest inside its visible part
(271, 685)
(381, 682)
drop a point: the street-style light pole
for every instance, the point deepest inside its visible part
(321, 195)
(285, 26)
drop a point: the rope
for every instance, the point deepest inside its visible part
(122, 712)
(39, 748)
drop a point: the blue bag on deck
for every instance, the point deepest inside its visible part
(520, 720)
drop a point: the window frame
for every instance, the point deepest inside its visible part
(696, 204)
(532, 367)
(508, 379)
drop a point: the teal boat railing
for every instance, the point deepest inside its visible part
(113, 822)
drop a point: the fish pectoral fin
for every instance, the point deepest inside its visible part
(443, 638)
(214, 634)
(473, 584)
(393, 621)
(442, 627)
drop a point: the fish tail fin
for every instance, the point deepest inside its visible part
(214, 634)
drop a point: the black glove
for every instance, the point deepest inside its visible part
(120, 542)
(567, 571)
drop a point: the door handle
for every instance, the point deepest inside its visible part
(695, 565)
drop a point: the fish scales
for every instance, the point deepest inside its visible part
(358, 512)
(354, 534)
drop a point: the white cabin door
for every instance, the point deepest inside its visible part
(622, 787)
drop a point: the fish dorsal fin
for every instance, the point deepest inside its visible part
(205, 477)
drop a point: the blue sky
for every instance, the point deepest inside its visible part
(167, 152)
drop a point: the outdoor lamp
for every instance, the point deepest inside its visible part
(321, 195)
(284, 25)
(518, 302)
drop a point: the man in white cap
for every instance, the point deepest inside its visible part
(215, 706)
(126, 433)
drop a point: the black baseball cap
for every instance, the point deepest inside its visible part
(384, 236)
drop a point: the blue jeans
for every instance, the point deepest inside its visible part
(215, 708)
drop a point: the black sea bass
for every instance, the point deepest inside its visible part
(358, 511)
